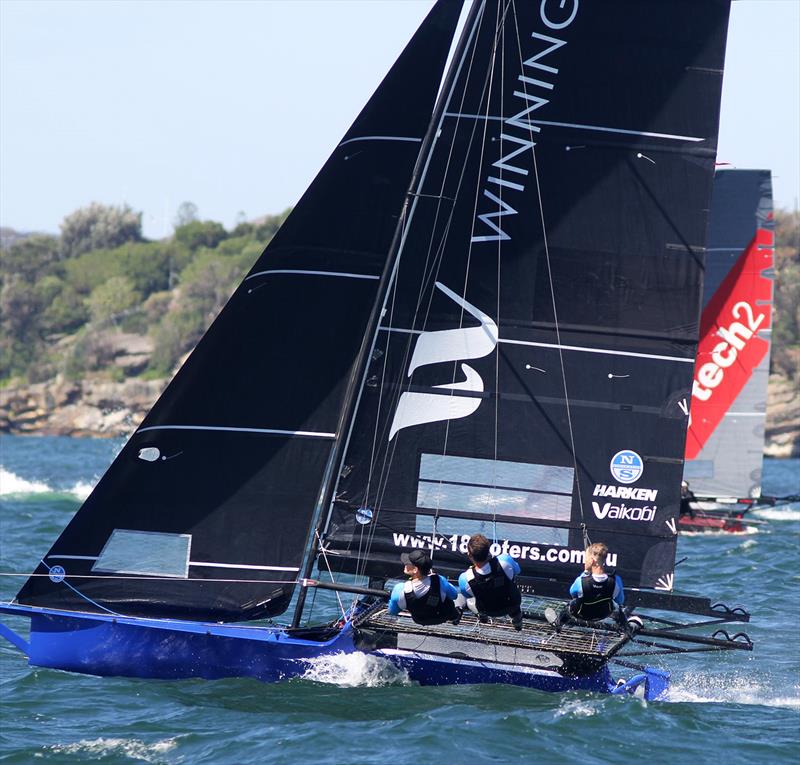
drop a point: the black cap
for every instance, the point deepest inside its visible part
(418, 558)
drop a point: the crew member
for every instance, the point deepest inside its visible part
(428, 597)
(687, 498)
(596, 594)
(487, 587)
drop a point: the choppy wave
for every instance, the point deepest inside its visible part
(350, 670)
(12, 485)
(778, 513)
(710, 689)
(128, 747)
(748, 530)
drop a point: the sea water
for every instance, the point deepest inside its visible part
(733, 707)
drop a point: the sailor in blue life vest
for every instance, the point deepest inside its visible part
(428, 597)
(487, 587)
(596, 594)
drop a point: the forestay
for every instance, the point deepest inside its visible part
(207, 510)
(532, 373)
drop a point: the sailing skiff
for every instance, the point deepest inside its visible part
(481, 316)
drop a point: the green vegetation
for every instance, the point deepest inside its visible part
(62, 298)
(786, 319)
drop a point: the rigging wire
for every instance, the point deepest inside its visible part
(330, 572)
(430, 270)
(488, 92)
(553, 302)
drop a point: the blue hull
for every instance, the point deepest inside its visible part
(150, 648)
(441, 670)
(120, 646)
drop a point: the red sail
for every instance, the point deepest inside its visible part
(730, 348)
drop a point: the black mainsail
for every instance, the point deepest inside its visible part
(532, 373)
(206, 511)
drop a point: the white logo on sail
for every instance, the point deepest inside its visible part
(665, 582)
(447, 345)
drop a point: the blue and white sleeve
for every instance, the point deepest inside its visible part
(576, 590)
(397, 602)
(509, 565)
(447, 589)
(619, 592)
(463, 586)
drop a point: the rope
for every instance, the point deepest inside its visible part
(330, 572)
(553, 300)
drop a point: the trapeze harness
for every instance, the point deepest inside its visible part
(495, 594)
(597, 598)
(430, 608)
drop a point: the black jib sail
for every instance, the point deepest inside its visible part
(206, 512)
(725, 443)
(531, 375)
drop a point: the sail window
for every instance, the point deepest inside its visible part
(147, 553)
(698, 469)
(495, 487)
(494, 530)
(513, 475)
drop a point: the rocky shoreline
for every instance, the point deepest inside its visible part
(99, 408)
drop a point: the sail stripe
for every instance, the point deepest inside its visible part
(579, 348)
(578, 126)
(270, 431)
(605, 351)
(312, 273)
(206, 564)
(381, 138)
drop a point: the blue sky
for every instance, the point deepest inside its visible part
(235, 105)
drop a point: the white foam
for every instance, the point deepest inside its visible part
(350, 670)
(577, 709)
(82, 489)
(703, 689)
(128, 747)
(778, 514)
(11, 483)
(748, 530)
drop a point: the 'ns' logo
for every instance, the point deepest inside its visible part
(447, 345)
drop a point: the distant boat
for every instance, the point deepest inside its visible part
(481, 316)
(725, 441)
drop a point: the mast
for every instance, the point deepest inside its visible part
(357, 378)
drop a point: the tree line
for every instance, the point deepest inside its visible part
(60, 296)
